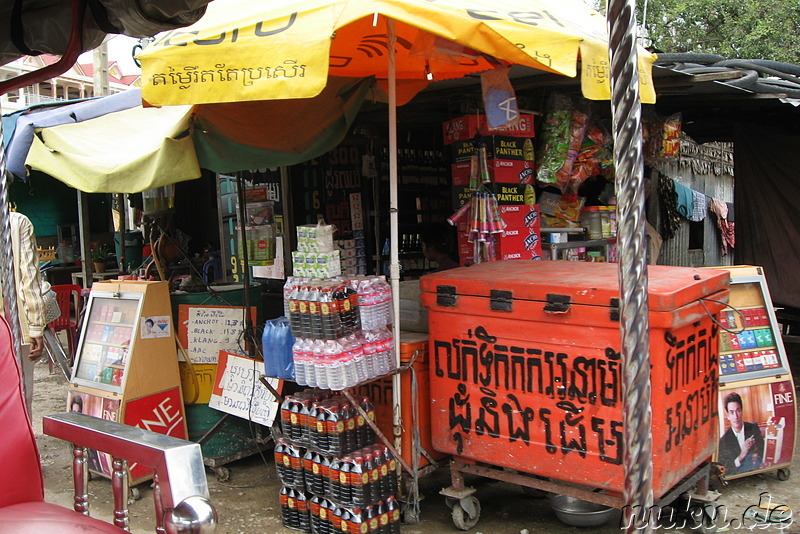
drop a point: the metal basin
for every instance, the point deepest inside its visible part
(579, 513)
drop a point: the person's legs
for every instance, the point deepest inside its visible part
(27, 369)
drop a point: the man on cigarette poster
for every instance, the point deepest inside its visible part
(741, 447)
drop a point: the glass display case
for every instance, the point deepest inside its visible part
(106, 340)
(756, 401)
(750, 345)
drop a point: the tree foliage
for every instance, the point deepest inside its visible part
(747, 29)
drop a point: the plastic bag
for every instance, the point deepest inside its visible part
(499, 99)
(52, 311)
(277, 341)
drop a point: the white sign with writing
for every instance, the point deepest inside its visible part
(212, 329)
(238, 390)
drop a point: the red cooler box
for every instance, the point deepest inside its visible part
(525, 368)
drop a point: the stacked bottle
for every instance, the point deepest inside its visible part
(374, 301)
(341, 330)
(295, 509)
(334, 476)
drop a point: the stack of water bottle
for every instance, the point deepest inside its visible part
(341, 329)
(335, 478)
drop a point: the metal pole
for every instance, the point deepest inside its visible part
(634, 324)
(248, 321)
(119, 199)
(83, 225)
(394, 264)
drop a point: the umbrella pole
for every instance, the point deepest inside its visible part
(248, 321)
(394, 264)
(634, 321)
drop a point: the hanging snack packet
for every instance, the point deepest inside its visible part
(671, 137)
(577, 129)
(587, 162)
(552, 154)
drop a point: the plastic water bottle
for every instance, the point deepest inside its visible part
(364, 303)
(367, 340)
(388, 345)
(287, 293)
(386, 312)
(359, 364)
(384, 355)
(334, 373)
(300, 361)
(320, 378)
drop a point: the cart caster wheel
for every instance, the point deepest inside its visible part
(450, 502)
(223, 474)
(784, 474)
(466, 513)
(135, 494)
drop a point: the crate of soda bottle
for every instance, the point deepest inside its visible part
(295, 510)
(325, 422)
(380, 518)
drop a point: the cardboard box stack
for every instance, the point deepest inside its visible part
(509, 152)
(511, 169)
(316, 256)
(353, 251)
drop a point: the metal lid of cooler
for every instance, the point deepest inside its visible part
(590, 283)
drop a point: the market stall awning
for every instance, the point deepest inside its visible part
(19, 127)
(135, 149)
(128, 151)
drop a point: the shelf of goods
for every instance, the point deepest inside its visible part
(343, 352)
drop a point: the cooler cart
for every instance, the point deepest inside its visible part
(526, 377)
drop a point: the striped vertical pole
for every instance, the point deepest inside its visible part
(7, 256)
(634, 321)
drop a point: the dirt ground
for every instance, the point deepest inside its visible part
(248, 501)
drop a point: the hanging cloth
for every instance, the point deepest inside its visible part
(726, 227)
(670, 218)
(700, 206)
(684, 200)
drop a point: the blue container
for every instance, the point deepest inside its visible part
(277, 341)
